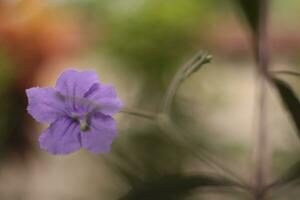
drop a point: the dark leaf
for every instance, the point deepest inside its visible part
(290, 101)
(250, 9)
(173, 187)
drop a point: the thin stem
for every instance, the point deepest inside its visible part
(286, 72)
(182, 74)
(262, 142)
(262, 53)
(205, 155)
(168, 126)
(139, 113)
(213, 161)
(276, 184)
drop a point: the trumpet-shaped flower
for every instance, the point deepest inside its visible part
(79, 110)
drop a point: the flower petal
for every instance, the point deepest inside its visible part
(62, 137)
(101, 134)
(72, 83)
(45, 104)
(106, 98)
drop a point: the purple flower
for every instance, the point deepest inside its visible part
(79, 110)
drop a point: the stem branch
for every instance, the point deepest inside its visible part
(139, 113)
(287, 72)
(182, 74)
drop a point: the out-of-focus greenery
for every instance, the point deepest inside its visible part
(11, 112)
(156, 36)
(151, 36)
(6, 74)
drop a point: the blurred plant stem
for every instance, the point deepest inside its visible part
(165, 122)
(169, 127)
(139, 113)
(286, 72)
(182, 74)
(262, 59)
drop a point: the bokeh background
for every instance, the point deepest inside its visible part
(137, 45)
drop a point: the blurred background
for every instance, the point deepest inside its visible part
(137, 45)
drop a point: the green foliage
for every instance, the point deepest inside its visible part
(250, 9)
(10, 117)
(156, 35)
(174, 187)
(290, 101)
(6, 75)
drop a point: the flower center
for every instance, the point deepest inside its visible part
(83, 121)
(84, 125)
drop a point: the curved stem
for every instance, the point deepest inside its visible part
(182, 74)
(286, 72)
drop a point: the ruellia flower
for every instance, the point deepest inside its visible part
(79, 110)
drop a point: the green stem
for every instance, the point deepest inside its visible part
(182, 74)
(168, 126)
(286, 72)
(139, 113)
